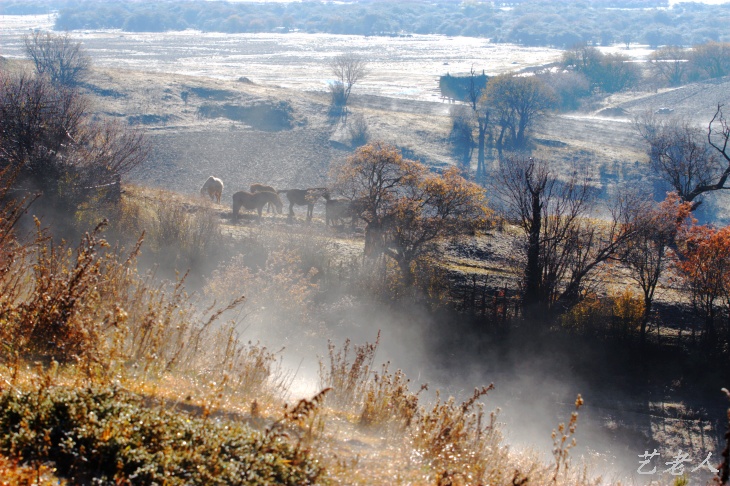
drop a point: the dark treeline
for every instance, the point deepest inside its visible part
(530, 22)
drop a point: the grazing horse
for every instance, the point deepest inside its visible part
(338, 209)
(257, 201)
(262, 188)
(213, 187)
(303, 197)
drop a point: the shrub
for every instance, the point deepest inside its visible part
(180, 233)
(621, 312)
(107, 435)
(54, 145)
(458, 440)
(627, 310)
(53, 311)
(90, 306)
(359, 131)
(185, 238)
(278, 278)
(561, 445)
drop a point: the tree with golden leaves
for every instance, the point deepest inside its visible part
(407, 209)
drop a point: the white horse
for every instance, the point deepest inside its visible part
(213, 187)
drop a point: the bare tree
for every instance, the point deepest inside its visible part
(561, 245)
(58, 57)
(670, 64)
(348, 69)
(680, 155)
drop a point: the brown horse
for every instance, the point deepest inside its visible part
(303, 197)
(262, 188)
(257, 201)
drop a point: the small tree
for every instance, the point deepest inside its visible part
(618, 73)
(480, 106)
(710, 60)
(407, 209)
(670, 65)
(348, 69)
(58, 57)
(647, 254)
(461, 136)
(516, 102)
(606, 72)
(570, 87)
(705, 268)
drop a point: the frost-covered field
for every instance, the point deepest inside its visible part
(403, 67)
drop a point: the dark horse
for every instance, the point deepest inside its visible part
(261, 188)
(257, 201)
(336, 210)
(303, 197)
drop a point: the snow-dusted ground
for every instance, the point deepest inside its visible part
(403, 67)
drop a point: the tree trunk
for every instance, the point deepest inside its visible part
(645, 320)
(405, 267)
(520, 137)
(500, 140)
(481, 169)
(533, 272)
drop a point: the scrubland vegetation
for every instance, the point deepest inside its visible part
(112, 373)
(111, 376)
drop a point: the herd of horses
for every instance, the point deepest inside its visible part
(259, 195)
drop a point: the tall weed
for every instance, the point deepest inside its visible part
(461, 443)
(388, 403)
(348, 375)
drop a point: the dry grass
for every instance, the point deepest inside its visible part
(99, 323)
(349, 379)
(393, 437)
(88, 318)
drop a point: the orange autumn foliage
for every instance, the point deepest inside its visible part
(705, 267)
